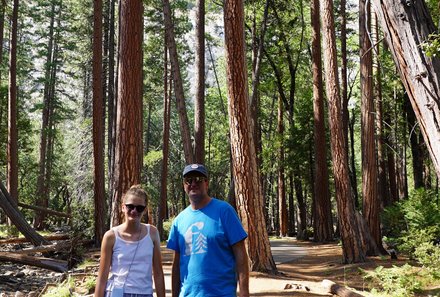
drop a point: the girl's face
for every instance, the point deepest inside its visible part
(133, 207)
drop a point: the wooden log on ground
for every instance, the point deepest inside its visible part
(47, 263)
(11, 210)
(338, 290)
(59, 246)
(47, 238)
(45, 210)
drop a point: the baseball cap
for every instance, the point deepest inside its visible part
(195, 168)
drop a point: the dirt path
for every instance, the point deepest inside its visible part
(303, 276)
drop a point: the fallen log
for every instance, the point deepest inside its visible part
(23, 239)
(338, 290)
(45, 210)
(60, 246)
(47, 263)
(12, 212)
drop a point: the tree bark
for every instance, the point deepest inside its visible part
(47, 263)
(111, 105)
(2, 26)
(178, 85)
(406, 25)
(371, 202)
(281, 184)
(128, 154)
(351, 243)
(42, 185)
(11, 210)
(323, 225)
(98, 126)
(302, 233)
(247, 185)
(12, 109)
(165, 144)
(377, 74)
(199, 104)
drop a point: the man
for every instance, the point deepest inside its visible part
(208, 242)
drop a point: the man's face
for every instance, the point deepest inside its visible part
(196, 186)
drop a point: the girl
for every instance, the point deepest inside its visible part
(131, 252)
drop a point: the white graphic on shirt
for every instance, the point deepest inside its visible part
(195, 241)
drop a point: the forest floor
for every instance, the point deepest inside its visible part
(303, 276)
(302, 266)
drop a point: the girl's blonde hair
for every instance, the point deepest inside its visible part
(137, 190)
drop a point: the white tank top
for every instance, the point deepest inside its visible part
(139, 280)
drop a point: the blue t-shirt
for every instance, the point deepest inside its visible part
(204, 239)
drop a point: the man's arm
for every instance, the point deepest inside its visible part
(242, 266)
(175, 275)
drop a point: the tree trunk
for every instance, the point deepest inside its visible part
(11, 210)
(351, 243)
(165, 145)
(12, 109)
(371, 202)
(377, 74)
(42, 186)
(178, 85)
(281, 185)
(111, 105)
(291, 207)
(247, 185)
(98, 127)
(406, 25)
(323, 225)
(199, 103)
(302, 233)
(128, 154)
(2, 26)
(415, 143)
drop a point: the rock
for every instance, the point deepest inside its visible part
(19, 294)
(20, 274)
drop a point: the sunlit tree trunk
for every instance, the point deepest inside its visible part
(351, 242)
(128, 154)
(12, 109)
(178, 85)
(406, 25)
(199, 104)
(98, 127)
(281, 184)
(322, 223)
(247, 185)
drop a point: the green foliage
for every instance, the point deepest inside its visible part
(413, 221)
(431, 47)
(412, 224)
(59, 291)
(396, 281)
(90, 283)
(167, 227)
(428, 255)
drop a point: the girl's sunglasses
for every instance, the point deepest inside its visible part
(139, 208)
(197, 179)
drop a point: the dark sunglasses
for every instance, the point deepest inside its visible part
(139, 208)
(198, 179)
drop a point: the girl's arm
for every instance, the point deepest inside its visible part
(159, 281)
(104, 263)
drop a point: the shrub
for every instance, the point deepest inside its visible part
(396, 281)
